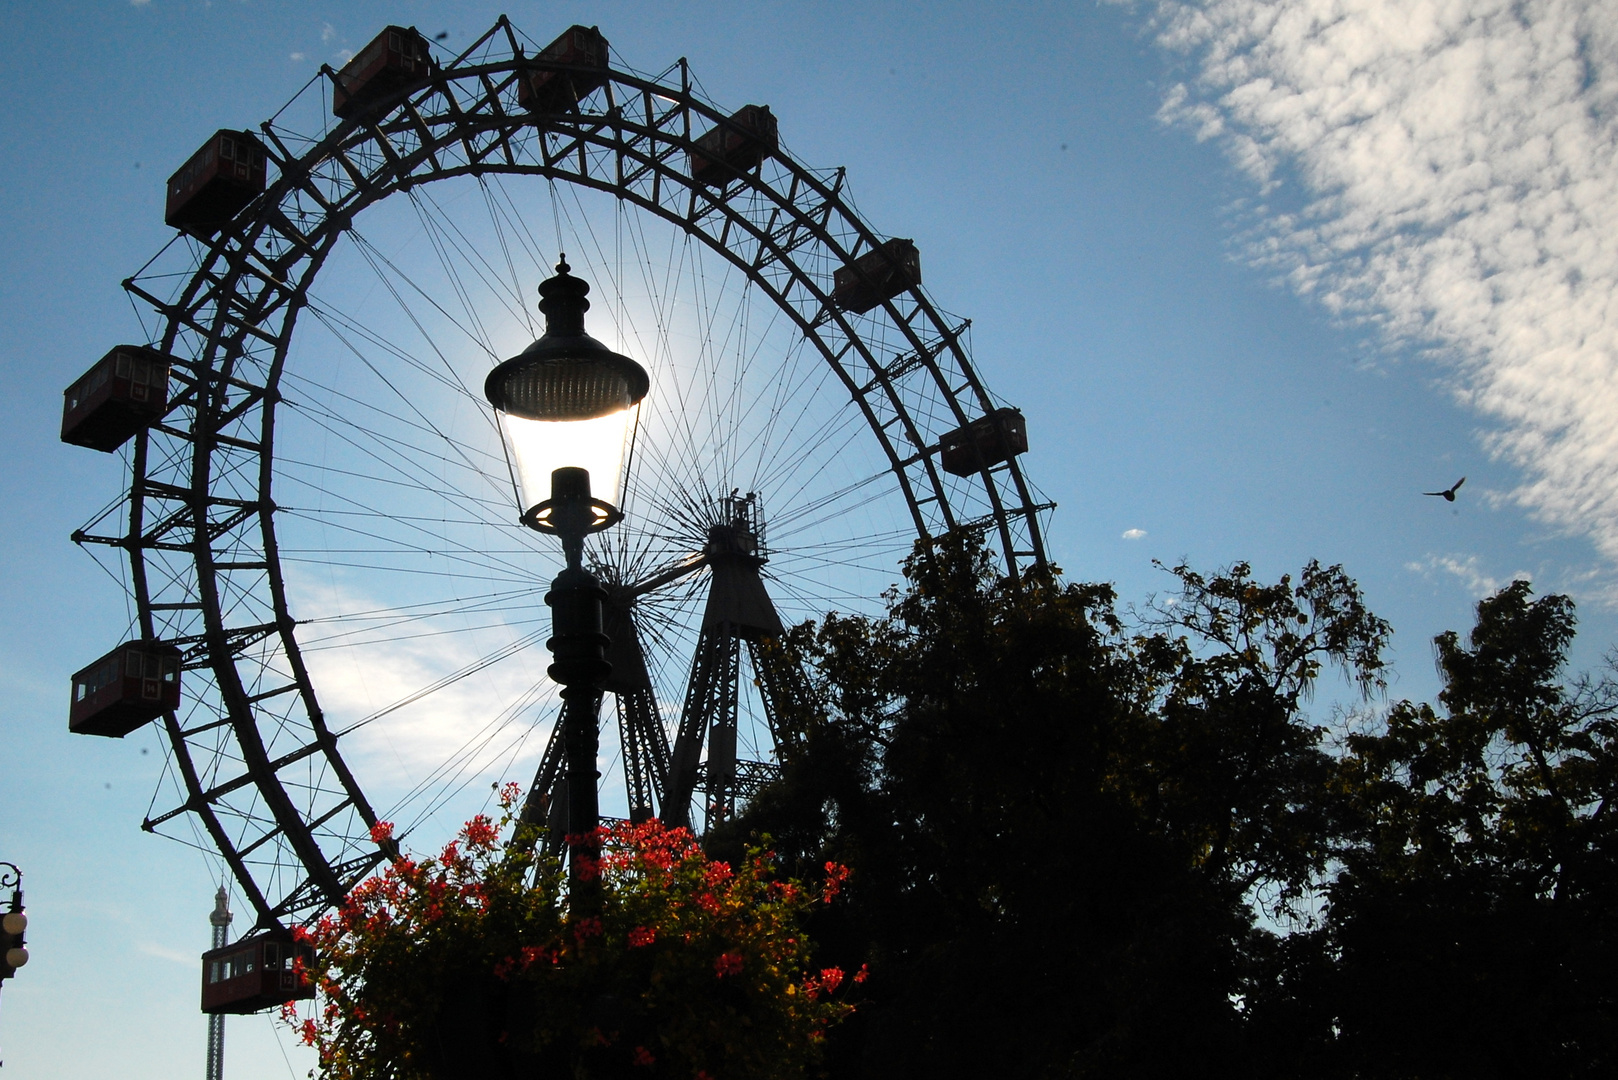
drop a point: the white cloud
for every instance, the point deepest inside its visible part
(327, 32)
(1133, 534)
(163, 952)
(1458, 173)
(139, 3)
(1466, 569)
(489, 725)
(295, 57)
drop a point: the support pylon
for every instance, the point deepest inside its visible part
(739, 613)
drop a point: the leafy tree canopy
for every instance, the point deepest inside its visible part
(1081, 848)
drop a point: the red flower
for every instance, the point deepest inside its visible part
(381, 831)
(863, 973)
(658, 888)
(835, 876)
(480, 833)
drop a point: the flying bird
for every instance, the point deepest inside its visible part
(441, 35)
(1448, 496)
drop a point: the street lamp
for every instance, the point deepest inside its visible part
(13, 950)
(564, 405)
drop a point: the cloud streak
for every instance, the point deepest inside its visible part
(1467, 569)
(1450, 171)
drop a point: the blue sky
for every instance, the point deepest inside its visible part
(1258, 276)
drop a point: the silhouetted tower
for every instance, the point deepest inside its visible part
(739, 618)
(739, 615)
(216, 1022)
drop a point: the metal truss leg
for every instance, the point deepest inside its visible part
(646, 752)
(546, 803)
(784, 689)
(710, 704)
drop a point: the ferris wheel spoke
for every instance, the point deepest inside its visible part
(422, 540)
(435, 789)
(394, 389)
(328, 412)
(334, 321)
(445, 242)
(480, 664)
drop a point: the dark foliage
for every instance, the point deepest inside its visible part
(1472, 929)
(1085, 851)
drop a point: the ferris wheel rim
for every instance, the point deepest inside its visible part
(232, 262)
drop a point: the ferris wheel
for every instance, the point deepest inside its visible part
(319, 528)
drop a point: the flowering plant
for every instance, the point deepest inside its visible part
(472, 964)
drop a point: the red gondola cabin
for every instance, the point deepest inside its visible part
(398, 61)
(221, 178)
(730, 149)
(126, 391)
(581, 48)
(260, 971)
(988, 440)
(135, 683)
(880, 274)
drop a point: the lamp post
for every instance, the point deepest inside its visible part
(564, 405)
(13, 949)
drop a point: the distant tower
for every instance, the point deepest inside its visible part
(216, 1022)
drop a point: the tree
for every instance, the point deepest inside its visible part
(1472, 928)
(1055, 827)
(1085, 849)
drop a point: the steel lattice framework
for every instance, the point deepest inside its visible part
(260, 765)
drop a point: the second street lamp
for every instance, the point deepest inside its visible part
(565, 404)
